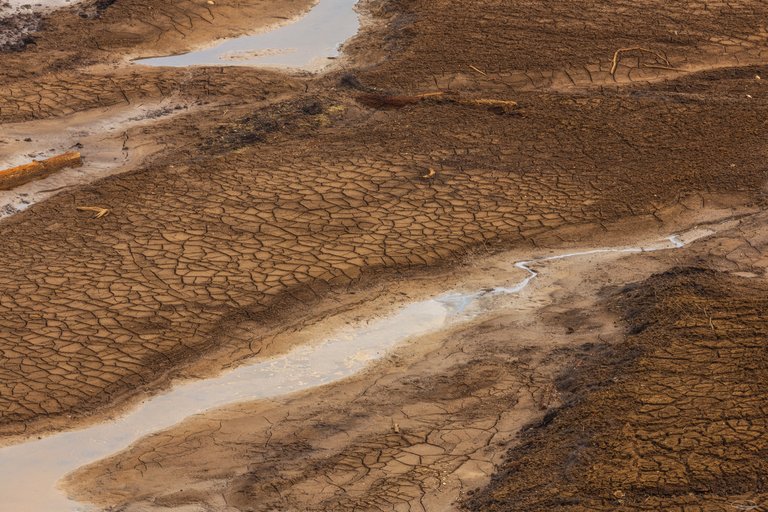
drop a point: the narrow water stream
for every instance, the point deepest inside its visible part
(309, 43)
(30, 470)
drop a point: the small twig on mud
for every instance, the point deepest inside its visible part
(98, 212)
(709, 317)
(431, 94)
(431, 173)
(617, 57)
(478, 70)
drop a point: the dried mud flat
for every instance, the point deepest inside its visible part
(272, 199)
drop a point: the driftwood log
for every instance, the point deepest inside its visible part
(17, 176)
(387, 101)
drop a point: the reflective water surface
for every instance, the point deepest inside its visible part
(308, 43)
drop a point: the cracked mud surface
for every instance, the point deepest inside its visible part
(534, 45)
(412, 433)
(644, 425)
(91, 31)
(193, 249)
(425, 427)
(672, 418)
(92, 307)
(78, 59)
(275, 190)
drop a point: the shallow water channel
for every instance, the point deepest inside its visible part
(310, 42)
(30, 470)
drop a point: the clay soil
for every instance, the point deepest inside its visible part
(672, 417)
(272, 196)
(425, 428)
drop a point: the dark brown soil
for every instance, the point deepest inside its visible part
(673, 418)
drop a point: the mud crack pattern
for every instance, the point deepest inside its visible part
(92, 308)
(672, 419)
(348, 448)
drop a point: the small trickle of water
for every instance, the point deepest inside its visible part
(310, 43)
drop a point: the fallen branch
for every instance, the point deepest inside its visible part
(478, 70)
(399, 101)
(98, 212)
(395, 101)
(502, 106)
(36, 170)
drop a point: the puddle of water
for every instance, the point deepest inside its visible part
(31, 469)
(308, 43)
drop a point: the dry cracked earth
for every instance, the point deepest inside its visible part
(281, 191)
(671, 418)
(665, 414)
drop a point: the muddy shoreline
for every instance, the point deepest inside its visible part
(416, 447)
(668, 418)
